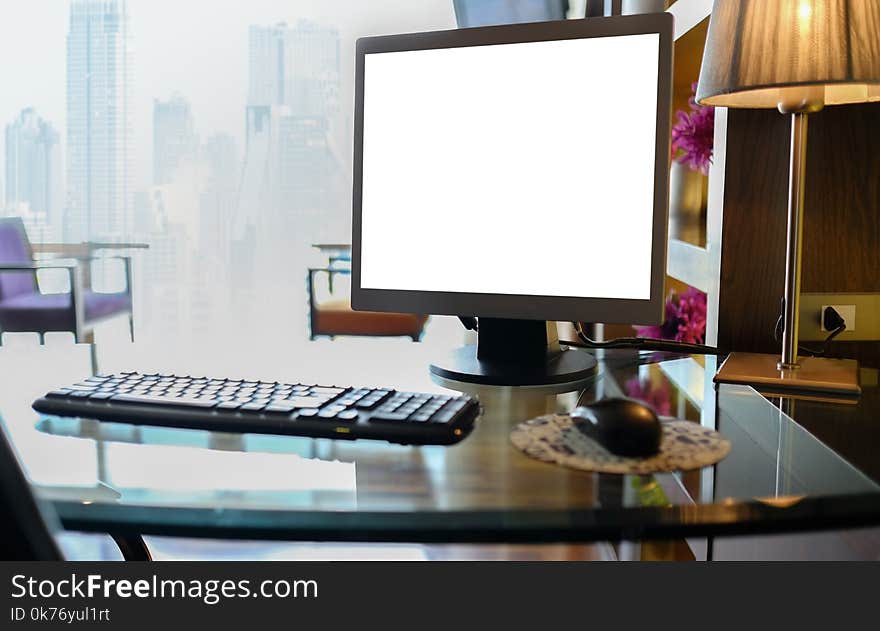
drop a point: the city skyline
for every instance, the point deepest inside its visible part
(156, 119)
(212, 71)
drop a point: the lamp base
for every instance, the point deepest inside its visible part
(816, 374)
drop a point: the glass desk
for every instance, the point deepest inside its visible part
(127, 479)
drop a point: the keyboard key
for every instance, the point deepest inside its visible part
(331, 411)
(176, 401)
(347, 415)
(389, 416)
(307, 402)
(457, 405)
(367, 403)
(61, 393)
(253, 407)
(307, 412)
(443, 417)
(328, 390)
(279, 408)
(228, 405)
(100, 396)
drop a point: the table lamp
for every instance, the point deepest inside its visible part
(796, 56)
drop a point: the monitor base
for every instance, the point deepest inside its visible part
(516, 353)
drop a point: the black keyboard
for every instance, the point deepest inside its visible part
(239, 405)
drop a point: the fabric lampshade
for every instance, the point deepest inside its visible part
(791, 54)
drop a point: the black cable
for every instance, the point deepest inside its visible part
(638, 343)
(830, 319)
(644, 344)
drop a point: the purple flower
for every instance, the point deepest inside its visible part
(693, 135)
(684, 320)
(658, 397)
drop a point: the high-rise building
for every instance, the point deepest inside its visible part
(174, 138)
(219, 196)
(33, 167)
(295, 66)
(99, 121)
(307, 163)
(291, 174)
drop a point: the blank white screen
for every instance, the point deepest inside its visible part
(522, 169)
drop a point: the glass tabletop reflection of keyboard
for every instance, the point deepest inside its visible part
(239, 405)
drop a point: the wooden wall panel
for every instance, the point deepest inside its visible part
(843, 180)
(753, 236)
(841, 226)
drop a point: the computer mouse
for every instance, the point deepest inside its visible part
(624, 427)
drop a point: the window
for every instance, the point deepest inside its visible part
(219, 133)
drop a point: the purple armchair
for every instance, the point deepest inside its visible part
(24, 309)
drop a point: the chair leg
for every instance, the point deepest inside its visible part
(131, 327)
(89, 338)
(93, 355)
(132, 547)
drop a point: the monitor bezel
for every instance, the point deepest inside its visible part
(532, 307)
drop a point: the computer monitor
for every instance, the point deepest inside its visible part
(470, 13)
(518, 174)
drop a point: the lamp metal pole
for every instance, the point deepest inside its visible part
(794, 239)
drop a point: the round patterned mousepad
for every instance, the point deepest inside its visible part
(554, 438)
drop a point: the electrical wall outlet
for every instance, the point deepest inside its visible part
(861, 312)
(847, 312)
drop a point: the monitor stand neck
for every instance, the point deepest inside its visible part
(504, 340)
(516, 353)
